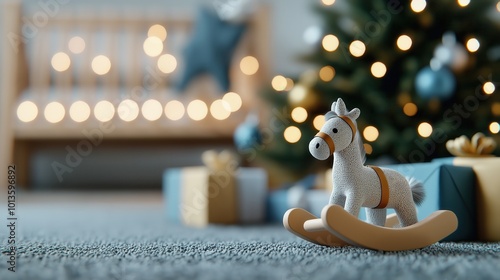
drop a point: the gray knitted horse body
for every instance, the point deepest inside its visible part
(356, 185)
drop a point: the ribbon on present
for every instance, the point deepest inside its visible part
(478, 146)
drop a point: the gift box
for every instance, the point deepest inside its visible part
(197, 196)
(487, 170)
(447, 187)
(279, 201)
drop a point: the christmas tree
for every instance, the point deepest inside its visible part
(421, 73)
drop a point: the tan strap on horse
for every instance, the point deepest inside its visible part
(351, 125)
(384, 187)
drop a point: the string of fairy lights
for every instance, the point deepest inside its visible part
(129, 110)
(378, 69)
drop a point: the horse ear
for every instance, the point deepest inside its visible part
(340, 109)
(354, 113)
(334, 104)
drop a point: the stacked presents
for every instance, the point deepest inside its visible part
(223, 193)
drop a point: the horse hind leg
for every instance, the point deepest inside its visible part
(407, 214)
(376, 216)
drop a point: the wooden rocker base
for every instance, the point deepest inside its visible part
(339, 228)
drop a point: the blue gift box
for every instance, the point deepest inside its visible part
(279, 201)
(447, 187)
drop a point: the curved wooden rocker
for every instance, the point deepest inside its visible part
(346, 229)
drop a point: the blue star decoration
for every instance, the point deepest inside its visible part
(210, 49)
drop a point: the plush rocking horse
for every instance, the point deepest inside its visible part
(356, 186)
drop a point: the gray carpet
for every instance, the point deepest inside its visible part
(126, 237)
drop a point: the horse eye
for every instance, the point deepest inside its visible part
(335, 130)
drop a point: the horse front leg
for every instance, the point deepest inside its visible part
(353, 204)
(337, 199)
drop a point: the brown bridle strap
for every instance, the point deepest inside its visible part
(351, 124)
(384, 188)
(328, 140)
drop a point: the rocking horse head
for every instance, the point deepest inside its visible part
(337, 133)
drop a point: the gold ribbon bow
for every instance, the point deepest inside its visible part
(479, 145)
(224, 161)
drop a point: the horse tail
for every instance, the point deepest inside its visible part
(417, 190)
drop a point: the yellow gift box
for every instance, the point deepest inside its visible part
(487, 170)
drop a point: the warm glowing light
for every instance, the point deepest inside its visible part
(494, 127)
(104, 111)
(279, 83)
(174, 110)
(368, 148)
(233, 100)
(79, 111)
(370, 133)
(292, 134)
(299, 115)
(157, 31)
(128, 110)
(27, 111)
(318, 122)
(60, 62)
(328, 2)
(410, 109)
(197, 110)
(220, 109)
(153, 46)
(378, 69)
(54, 112)
(424, 129)
(463, 3)
(167, 63)
(418, 5)
(101, 65)
(498, 6)
(76, 45)
(330, 42)
(404, 42)
(289, 84)
(472, 45)
(495, 108)
(488, 87)
(249, 65)
(326, 73)
(357, 48)
(152, 109)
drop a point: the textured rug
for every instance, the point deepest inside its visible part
(125, 236)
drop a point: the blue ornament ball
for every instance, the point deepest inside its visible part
(247, 135)
(431, 83)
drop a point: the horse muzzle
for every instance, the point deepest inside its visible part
(321, 146)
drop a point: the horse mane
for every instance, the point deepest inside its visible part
(362, 152)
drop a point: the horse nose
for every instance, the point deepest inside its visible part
(317, 145)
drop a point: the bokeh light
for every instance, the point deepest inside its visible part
(378, 69)
(101, 65)
(76, 44)
(472, 45)
(357, 48)
(153, 46)
(299, 115)
(328, 2)
(289, 84)
(79, 111)
(157, 31)
(104, 111)
(463, 3)
(60, 61)
(368, 148)
(418, 5)
(292, 134)
(326, 73)
(233, 100)
(410, 109)
(220, 109)
(197, 110)
(54, 112)
(128, 110)
(319, 121)
(488, 88)
(279, 83)
(424, 129)
(174, 110)
(495, 108)
(330, 42)
(494, 127)
(27, 111)
(370, 133)
(404, 42)
(249, 65)
(167, 63)
(152, 110)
